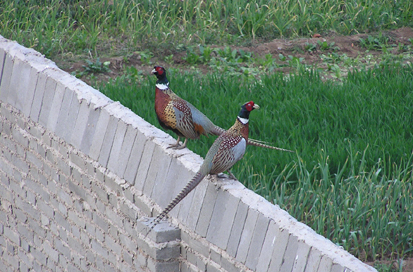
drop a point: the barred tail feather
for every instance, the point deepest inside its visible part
(184, 192)
(217, 130)
(265, 145)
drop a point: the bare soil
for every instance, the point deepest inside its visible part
(348, 45)
(296, 47)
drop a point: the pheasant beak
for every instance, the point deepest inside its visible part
(256, 106)
(153, 71)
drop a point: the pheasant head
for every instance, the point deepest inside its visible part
(246, 109)
(160, 73)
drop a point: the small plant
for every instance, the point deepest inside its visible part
(191, 57)
(169, 59)
(146, 56)
(93, 67)
(310, 47)
(324, 45)
(206, 54)
(379, 42)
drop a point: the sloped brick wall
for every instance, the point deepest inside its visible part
(78, 170)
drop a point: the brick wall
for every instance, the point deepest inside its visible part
(78, 173)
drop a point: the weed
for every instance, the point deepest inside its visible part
(324, 45)
(379, 42)
(310, 47)
(93, 67)
(146, 56)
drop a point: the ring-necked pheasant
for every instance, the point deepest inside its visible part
(227, 149)
(180, 116)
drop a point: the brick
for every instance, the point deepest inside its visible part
(129, 210)
(213, 268)
(144, 165)
(128, 243)
(33, 159)
(17, 188)
(101, 193)
(20, 83)
(236, 229)
(55, 107)
(300, 261)
(27, 207)
(50, 251)
(325, 264)
(313, 260)
(75, 218)
(247, 234)
(65, 197)
(61, 126)
(114, 183)
(26, 259)
(337, 268)
(267, 248)
(290, 254)
(206, 210)
(71, 119)
(37, 188)
(113, 245)
(257, 241)
(228, 265)
(222, 219)
(25, 232)
(115, 152)
(39, 256)
(38, 97)
(175, 181)
(99, 135)
(62, 221)
(47, 101)
(87, 139)
(161, 233)
(6, 77)
(108, 141)
(62, 248)
(126, 150)
(19, 137)
(281, 241)
(195, 244)
(114, 217)
(75, 245)
(77, 189)
(158, 169)
(100, 222)
(99, 248)
(20, 215)
(80, 124)
(12, 235)
(77, 160)
(128, 258)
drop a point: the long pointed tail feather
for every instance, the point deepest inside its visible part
(184, 192)
(218, 131)
(265, 145)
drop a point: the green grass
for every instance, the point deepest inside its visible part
(56, 27)
(351, 176)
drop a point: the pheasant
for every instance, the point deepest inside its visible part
(180, 116)
(227, 149)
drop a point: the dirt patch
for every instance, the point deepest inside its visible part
(298, 48)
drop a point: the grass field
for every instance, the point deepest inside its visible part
(351, 176)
